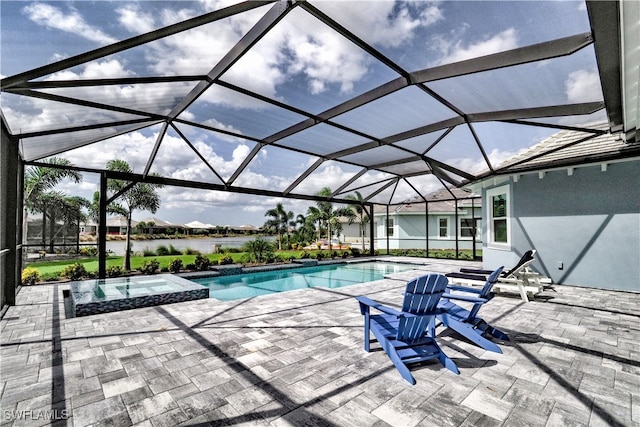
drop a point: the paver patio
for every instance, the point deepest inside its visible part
(296, 358)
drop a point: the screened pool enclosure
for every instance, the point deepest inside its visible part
(394, 100)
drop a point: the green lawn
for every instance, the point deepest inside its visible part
(53, 268)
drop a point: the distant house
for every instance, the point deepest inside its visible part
(115, 226)
(246, 229)
(118, 225)
(577, 202)
(159, 226)
(197, 227)
(449, 225)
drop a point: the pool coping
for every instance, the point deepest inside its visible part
(235, 269)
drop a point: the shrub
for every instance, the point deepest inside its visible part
(345, 254)
(114, 271)
(175, 265)
(74, 271)
(190, 267)
(225, 260)
(189, 251)
(259, 249)
(304, 255)
(202, 263)
(355, 252)
(88, 251)
(334, 254)
(30, 276)
(148, 252)
(163, 250)
(50, 277)
(319, 256)
(150, 267)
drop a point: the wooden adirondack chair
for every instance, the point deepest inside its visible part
(407, 336)
(466, 321)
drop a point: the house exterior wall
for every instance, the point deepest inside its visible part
(588, 221)
(410, 231)
(351, 234)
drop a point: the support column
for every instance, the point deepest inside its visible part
(473, 229)
(102, 228)
(371, 229)
(457, 224)
(386, 226)
(426, 229)
(9, 167)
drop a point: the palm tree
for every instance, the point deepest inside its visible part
(48, 204)
(314, 215)
(38, 180)
(140, 196)
(71, 213)
(305, 229)
(361, 214)
(329, 216)
(278, 221)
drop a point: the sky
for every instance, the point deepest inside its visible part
(299, 62)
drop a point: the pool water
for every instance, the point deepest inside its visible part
(329, 276)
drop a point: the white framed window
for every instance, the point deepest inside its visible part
(498, 217)
(469, 228)
(443, 227)
(390, 227)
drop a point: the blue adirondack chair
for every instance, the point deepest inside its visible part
(407, 336)
(466, 321)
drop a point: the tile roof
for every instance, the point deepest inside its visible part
(439, 201)
(570, 147)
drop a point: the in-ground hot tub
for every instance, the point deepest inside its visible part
(123, 293)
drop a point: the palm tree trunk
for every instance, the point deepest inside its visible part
(329, 234)
(362, 234)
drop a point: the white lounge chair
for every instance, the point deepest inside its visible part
(519, 279)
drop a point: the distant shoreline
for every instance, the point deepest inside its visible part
(122, 237)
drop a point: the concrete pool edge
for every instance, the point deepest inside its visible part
(294, 265)
(85, 301)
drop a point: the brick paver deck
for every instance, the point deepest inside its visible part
(296, 358)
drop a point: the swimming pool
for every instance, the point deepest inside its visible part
(329, 276)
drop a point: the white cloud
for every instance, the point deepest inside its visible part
(134, 148)
(384, 23)
(71, 22)
(454, 50)
(430, 15)
(326, 58)
(583, 86)
(327, 175)
(135, 20)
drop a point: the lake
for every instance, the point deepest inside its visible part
(203, 245)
